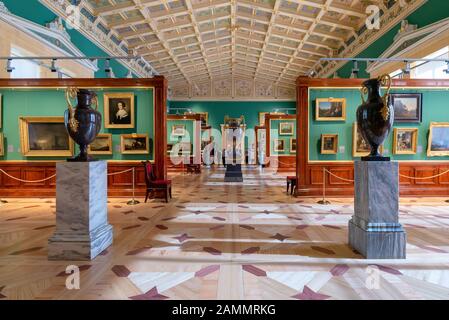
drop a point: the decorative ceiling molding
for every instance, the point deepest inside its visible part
(90, 27)
(53, 35)
(410, 40)
(360, 42)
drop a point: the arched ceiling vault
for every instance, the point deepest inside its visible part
(196, 41)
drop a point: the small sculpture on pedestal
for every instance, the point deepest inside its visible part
(375, 116)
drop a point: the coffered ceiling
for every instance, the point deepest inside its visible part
(193, 42)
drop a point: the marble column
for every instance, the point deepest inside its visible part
(374, 230)
(82, 228)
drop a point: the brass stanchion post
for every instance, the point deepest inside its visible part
(133, 201)
(324, 202)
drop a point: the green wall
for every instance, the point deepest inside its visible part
(51, 102)
(190, 134)
(40, 14)
(434, 107)
(219, 109)
(274, 134)
(432, 11)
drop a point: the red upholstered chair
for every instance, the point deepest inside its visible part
(153, 184)
(291, 180)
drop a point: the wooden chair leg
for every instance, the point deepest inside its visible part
(293, 187)
(170, 194)
(166, 194)
(146, 196)
(288, 185)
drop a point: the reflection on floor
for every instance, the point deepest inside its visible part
(220, 241)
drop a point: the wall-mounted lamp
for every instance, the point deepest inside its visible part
(53, 66)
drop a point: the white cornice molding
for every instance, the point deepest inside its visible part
(91, 31)
(40, 33)
(394, 16)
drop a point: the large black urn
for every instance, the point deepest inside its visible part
(375, 116)
(82, 123)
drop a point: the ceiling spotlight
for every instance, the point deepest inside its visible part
(447, 70)
(53, 66)
(312, 73)
(355, 70)
(9, 67)
(107, 68)
(407, 69)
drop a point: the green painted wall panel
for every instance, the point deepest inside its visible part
(189, 137)
(51, 102)
(274, 134)
(434, 110)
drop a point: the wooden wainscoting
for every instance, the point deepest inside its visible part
(283, 163)
(118, 185)
(438, 186)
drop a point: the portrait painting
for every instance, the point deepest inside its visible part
(119, 110)
(405, 140)
(102, 145)
(329, 143)
(438, 145)
(2, 145)
(407, 107)
(279, 145)
(286, 128)
(135, 144)
(292, 145)
(330, 109)
(45, 136)
(178, 130)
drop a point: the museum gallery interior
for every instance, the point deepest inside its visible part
(224, 150)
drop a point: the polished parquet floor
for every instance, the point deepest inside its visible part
(226, 241)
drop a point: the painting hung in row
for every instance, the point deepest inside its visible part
(286, 128)
(135, 143)
(438, 145)
(329, 143)
(45, 136)
(279, 145)
(405, 140)
(407, 107)
(102, 145)
(119, 110)
(2, 145)
(330, 109)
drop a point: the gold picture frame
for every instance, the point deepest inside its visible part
(330, 109)
(360, 148)
(112, 118)
(46, 138)
(279, 145)
(442, 149)
(1, 111)
(329, 143)
(140, 143)
(286, 125)
(2, 145)
(97, 148)
(204, 117)
(405, 144)
(178, 130)
(293, 145)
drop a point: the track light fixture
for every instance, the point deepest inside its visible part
(407, 69)
(312, 73)
(107, 68)
(53, 66)
(9, 67)
(355, 70)
(447, 70)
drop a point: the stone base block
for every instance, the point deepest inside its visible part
(80, 247)
(377, 244)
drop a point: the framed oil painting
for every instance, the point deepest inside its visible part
(2, 145)
(45, 137)
(204, 117)
(102, 145)
(360, 148)
(438, 145)
(119, 110)
(407, 107)
(292, 145)
(329, 143)
(405, 140)
(286, 128)
(178, 130)
(135, 143)
(262, 118)
(279, 145)
(330, 109)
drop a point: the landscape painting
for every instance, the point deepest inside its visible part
(330, 109)
(102, 145)
(438, 140)
(407, 107)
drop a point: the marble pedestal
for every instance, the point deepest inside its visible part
(82, 228)
(374, 230)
